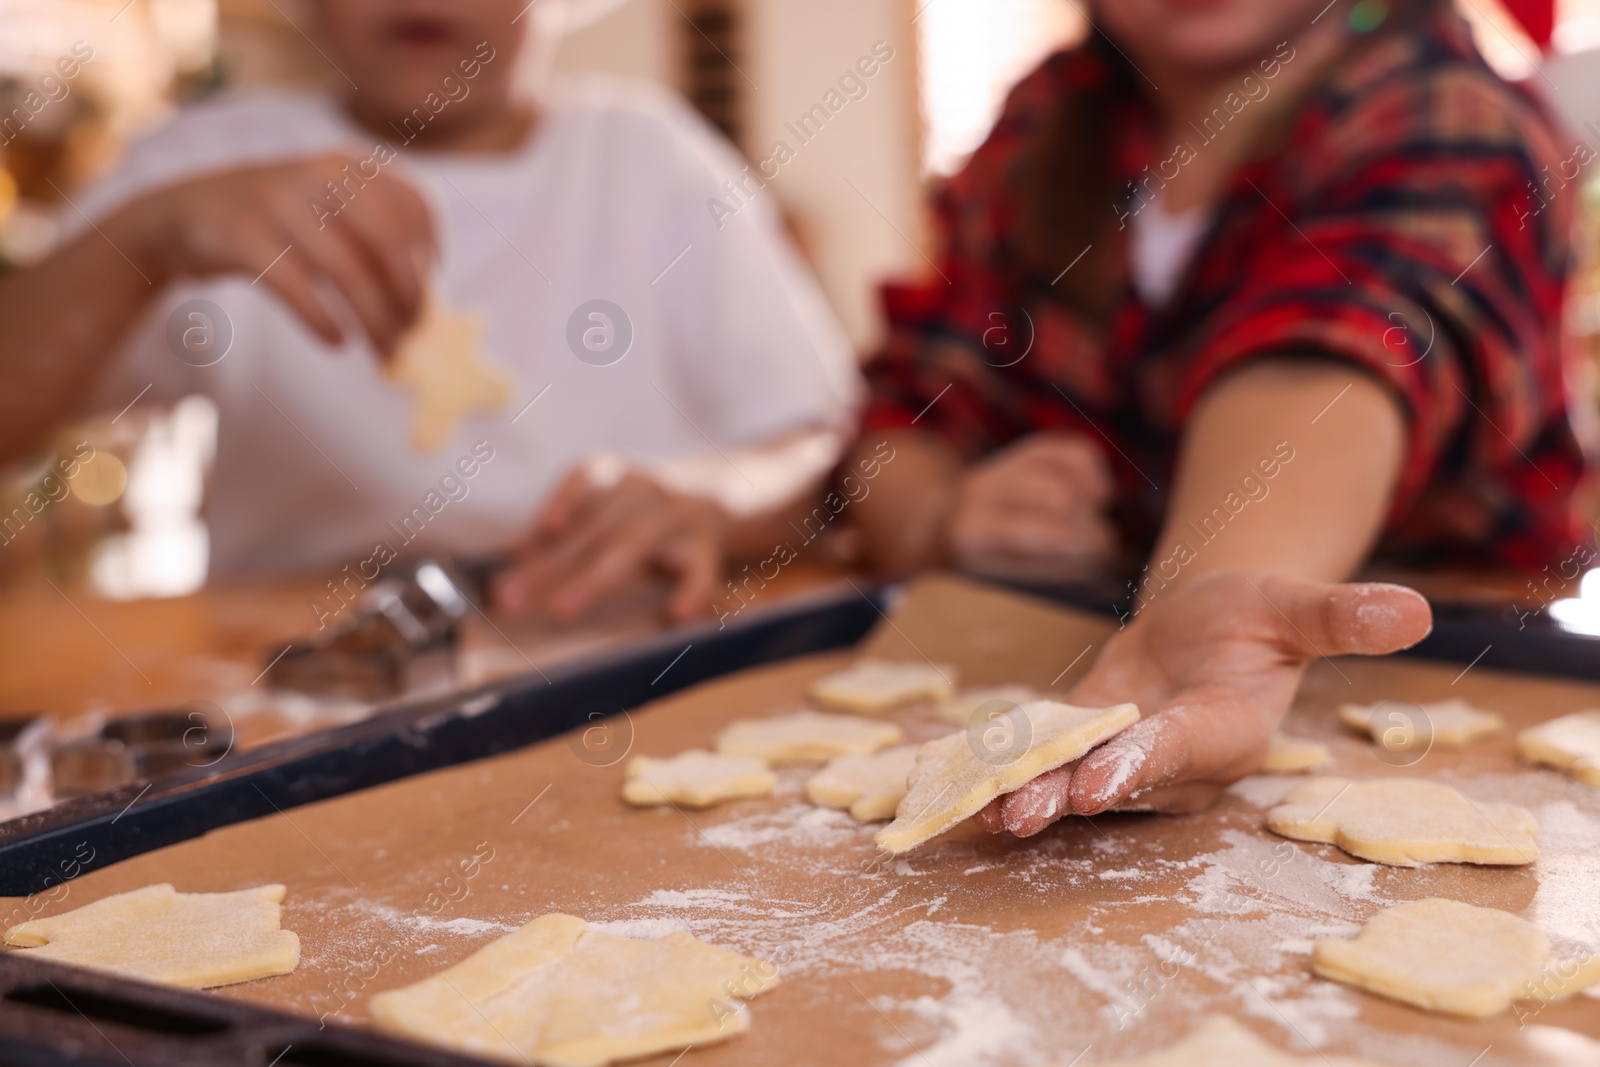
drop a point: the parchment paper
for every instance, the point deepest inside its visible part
(1097, 939)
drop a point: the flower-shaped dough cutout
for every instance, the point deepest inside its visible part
(1447, 956)
(1406, 822)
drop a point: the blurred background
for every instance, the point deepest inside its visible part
(854, 201)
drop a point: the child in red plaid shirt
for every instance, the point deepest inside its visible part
(1249, 290)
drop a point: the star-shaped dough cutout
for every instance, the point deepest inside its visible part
(561, 992)
(1406, 822)
(696, 779)
(1446, 723)
(1570, 743)
(806, 737)
(870, 686)
(869, 786)
(156, 934)
(441, 363)
(1295, 755)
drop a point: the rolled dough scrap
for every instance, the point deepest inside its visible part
(869, 786)
(1292, 755)
(697, 778)
(156, 934)
(1220, 1042)
(559, 992)
(1406, 822)
(806, 736)
(441, 363)
(1570, 743)
(1453, 724)
(874, 685)
(961, 707)
(1452, 957)
(952, 778)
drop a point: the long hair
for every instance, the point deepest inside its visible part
(1067, 178)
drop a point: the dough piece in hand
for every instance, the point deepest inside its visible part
(806, 737)
(1220, 1042)
(1398, 728)
(156, 934)
(869, 786)
(1295, 755)
(1452, 957)
(441, 363)
(696, 778)
(960, 708)
(1570, 743)
(1406, 822)
(559, 992)
(873, 685)
(957, 775)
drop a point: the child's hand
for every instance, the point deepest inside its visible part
(1037, 507)
(596, 539)
(1213, 664)
(281, 224)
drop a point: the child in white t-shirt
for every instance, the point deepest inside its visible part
(604, 339)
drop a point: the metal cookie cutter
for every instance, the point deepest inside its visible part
(24, 739)
(146, 744)
(159, 742)
(401, 640)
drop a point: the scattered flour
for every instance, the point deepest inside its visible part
(641, 929)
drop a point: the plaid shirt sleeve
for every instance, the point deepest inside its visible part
(1406, 237)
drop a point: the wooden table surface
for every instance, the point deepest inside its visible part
(1096, 940)
(67, 651)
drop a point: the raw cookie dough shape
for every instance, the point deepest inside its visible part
(1406, 822)
(1570, 744)
(960, 708)
(872, 685)
(156, 934)
(696, 778)
(958, 774)
(1446, 956)
(1398, 726)
(806, 736)
(1220, 1042)
(869, 786)
(559, 992)
(1295, 755)
(440, 362)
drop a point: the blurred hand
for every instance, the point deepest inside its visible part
(1213, 664)
(594, 541)
(1038, 506)
(374, 252)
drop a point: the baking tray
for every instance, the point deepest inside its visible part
(41, 850)
(44, 849)
(50, 1014)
